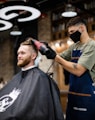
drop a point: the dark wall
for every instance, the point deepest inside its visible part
(29, 29)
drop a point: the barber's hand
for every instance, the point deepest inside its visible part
(48, 51)
(51, 54)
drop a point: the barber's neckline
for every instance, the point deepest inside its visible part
(82, 43)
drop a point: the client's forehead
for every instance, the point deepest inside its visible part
(24, 48)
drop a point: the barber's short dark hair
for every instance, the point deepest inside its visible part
(75, 21)
(28, 41)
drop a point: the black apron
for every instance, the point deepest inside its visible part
(81, 97)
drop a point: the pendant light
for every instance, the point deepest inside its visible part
(69, 11)
(15, 31)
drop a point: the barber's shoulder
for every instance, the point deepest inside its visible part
(92, 42)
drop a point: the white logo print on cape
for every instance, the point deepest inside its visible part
(7, 100)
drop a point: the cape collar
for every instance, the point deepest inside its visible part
(25, 69)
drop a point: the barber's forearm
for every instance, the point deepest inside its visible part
(66, 64)
(71, 67)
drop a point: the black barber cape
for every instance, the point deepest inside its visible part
(29, 96)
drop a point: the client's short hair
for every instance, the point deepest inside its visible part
(28, 41)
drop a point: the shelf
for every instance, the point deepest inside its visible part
(87, 6)
(59, 35)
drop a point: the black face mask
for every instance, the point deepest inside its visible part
(75, 36)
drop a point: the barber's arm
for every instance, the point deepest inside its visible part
(71, 67)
